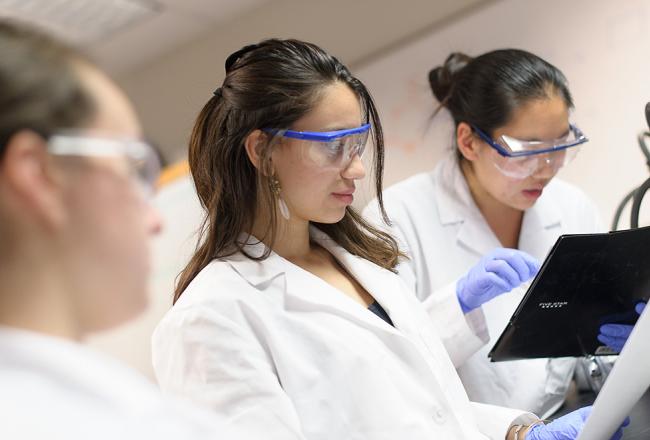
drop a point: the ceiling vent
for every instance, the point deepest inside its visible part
(81, 22)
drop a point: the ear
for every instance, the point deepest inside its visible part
(27, 174)
(467, 142)
(254, 143)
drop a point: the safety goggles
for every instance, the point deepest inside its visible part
(511, 147)
(520, 159)
(141, 157)
(329, 149)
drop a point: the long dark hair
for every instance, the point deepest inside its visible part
(270, 84)
(40, 89)
(486, 90)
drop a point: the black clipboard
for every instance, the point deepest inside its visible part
(585, 281)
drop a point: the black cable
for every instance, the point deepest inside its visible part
(620, 208)
(637, 194)
(636, 204)
(644, 147)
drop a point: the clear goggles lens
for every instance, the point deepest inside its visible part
(516, 147)
(519, 159)
(334, 149)
(142, 158)
(525, 166)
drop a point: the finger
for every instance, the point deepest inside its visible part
(505, 254)
(616, 330)
(584, 412)
(618, 435)
(517, 262)
(504, 271)
(532, 263)
(494, 286)
(500, 253)
(526, 265)
(639, 308)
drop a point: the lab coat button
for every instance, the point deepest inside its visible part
(439, 416)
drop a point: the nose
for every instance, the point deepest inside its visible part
(546, 166)
(355, 169)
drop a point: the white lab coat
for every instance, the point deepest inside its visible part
(442, 230)
(288, 356)
(58, 390)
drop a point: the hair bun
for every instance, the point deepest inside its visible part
(235, 56)
(442, 78)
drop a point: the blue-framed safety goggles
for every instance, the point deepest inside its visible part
(508, 146)
(329, 148)
(519, 159)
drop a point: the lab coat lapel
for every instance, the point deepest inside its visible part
(392, 294)
(305, 291)
(385, 287)
(296, 289)
(458, 211)
(258, 273)
(475, 235)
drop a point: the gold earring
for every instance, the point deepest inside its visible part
(282, 205)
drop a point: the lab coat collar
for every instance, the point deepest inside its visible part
(256, 272)
(453, 197)
(456, 205)
(302, 289)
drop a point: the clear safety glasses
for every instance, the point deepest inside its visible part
(329, 149)
(141, 157)
(520, 159)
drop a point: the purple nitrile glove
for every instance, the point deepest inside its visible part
(496, 273)
(615, 335)
(568, 427)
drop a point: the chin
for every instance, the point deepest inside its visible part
(524, 205)
(331, 217)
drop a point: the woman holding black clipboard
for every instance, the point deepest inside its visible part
(493, 200)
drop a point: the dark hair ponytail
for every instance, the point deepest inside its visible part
(441, 78)
(486, 90)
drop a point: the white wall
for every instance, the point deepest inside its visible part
(603, 48)
(169, 92)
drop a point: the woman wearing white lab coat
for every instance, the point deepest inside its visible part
(478, 199)
(289, 318)
(73, 260)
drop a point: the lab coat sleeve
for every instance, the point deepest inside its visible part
(495, 421)
(216, 362)
(462, 334)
